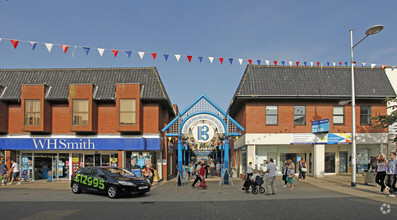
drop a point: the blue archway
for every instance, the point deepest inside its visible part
(203, 123)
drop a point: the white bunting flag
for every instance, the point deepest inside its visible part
(363, 64)
(177, 56)
(267, 62)
(0, 40)
(373, 65)
(290, 63)
(49, 47)
(141, 54)
(100, 51)
(241, 61)
(311, 64)
(334, 64)
(211, 59)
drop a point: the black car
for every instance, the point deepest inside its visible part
(113, 181)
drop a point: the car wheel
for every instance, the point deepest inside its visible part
(76, 189)
(112, 192)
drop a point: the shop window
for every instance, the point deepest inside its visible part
(339, 115)
(299, 115)
(127, 111)
(32, 111)
(271, 115)
(80, 112)
(365, 115)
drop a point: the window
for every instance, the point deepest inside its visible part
(365, 115)
(299, 115)
(271, 115)
(80, 112)
(32, 111)
(339, 115)
(127, 111)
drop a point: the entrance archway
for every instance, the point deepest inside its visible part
(203, 129)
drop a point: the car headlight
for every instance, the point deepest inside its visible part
(125, 183)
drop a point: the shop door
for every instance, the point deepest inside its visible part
(329, 162)
(105, 160)
(88, 160)
(343, 162)
(97, 160)
(63, 166)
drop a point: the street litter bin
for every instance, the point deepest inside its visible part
(369, 177)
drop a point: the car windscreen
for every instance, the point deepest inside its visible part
(117, 172)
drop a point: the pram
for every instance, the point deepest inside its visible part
(256, 185)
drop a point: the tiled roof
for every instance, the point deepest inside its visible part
(105, 80)
(312, 82)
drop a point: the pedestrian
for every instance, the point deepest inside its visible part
(3, 172)
(261, 167)
(15, 173)
(218, 168)
(285, 171)
(271, 177)
(202, 174)
(380, 171)
(190, 170)
(212, 168)
(206, 167)
(302, 169)
(291, 174)
(198, 168)
(391, 174)
(249, 170)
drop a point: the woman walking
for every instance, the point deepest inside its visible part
(381, 173)
(302, 169)
(285, 175)
(291, 174)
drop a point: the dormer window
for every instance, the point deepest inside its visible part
(32, 111)
(127, 111)
(80, 111)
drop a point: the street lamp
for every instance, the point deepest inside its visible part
(371, 31)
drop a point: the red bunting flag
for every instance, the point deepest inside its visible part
(297, 63)
(340, 63)
(189, 58)
(65, 48)
(250, 61)
(275, 63)
(383, 67)
(154, 55)
(15, 43)
(221, 59)
(115, 52)
(318, 63)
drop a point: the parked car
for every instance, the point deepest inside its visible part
(113, 181)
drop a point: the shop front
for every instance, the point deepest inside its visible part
(58, 158)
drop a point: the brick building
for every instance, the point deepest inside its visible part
(58, 120)
(277, 105)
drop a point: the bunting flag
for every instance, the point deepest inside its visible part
(340, 63)
(250, 61)
(189, 58)
(200, 59)
(100, 51)
(33, 45)
(141, 54)
(305, 63)
(259, 62)
(311, 64)
(0, 39)
(15, 43)
(128, 52)
(345, 63)
(166, 57)
(393, 67)
(49, 47)
(86, 50)
(382, 67)
(211, 59)
(327, 63)
(334, 64)
(267, 62)
(240, 61)
(275, 63)
(373, 65)
(318, 63)
(231, 61)
(177, 56)
(65, 48)
(363, 64)
(154, 55)
(297, 63)
(221, 60)
(290, 63)
(282, 62)
(115, 52)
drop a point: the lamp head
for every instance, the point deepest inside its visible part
(374, 30)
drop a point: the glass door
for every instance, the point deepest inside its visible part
(105, 160)
(343, 162)
(88, 160)
(329, 162)
(97, 160)
(63, 166)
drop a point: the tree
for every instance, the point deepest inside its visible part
(385, 121)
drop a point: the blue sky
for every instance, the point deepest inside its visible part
(281, 30)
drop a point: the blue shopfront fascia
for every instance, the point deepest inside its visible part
(80, 144)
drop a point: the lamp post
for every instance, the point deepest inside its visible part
(371, 31)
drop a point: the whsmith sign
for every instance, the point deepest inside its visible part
(80, 144)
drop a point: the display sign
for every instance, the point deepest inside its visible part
(321, 138)
(320, 126)
(80, 144)
(202, 128)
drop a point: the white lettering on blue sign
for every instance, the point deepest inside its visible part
(63, 144)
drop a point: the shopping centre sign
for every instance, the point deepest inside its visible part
(203, 127)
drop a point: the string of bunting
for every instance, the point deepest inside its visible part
(101, 51)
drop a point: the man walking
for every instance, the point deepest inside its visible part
(15, 173)
(197, 174)
(391, 174)
(3, 172)
(249, 170)
(271, 177)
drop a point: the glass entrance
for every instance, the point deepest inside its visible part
(63, 166)
(44, 165)
(105, 160)
(88, 160)
(343, 162)
(329, 162)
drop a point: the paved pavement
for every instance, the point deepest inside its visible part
(329, 198)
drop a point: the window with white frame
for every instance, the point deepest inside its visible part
(339, 115)
(271, 115)
(299, 115)
(127, 111)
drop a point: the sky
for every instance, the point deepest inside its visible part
(274, 30)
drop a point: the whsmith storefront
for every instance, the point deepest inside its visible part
(61, 157)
